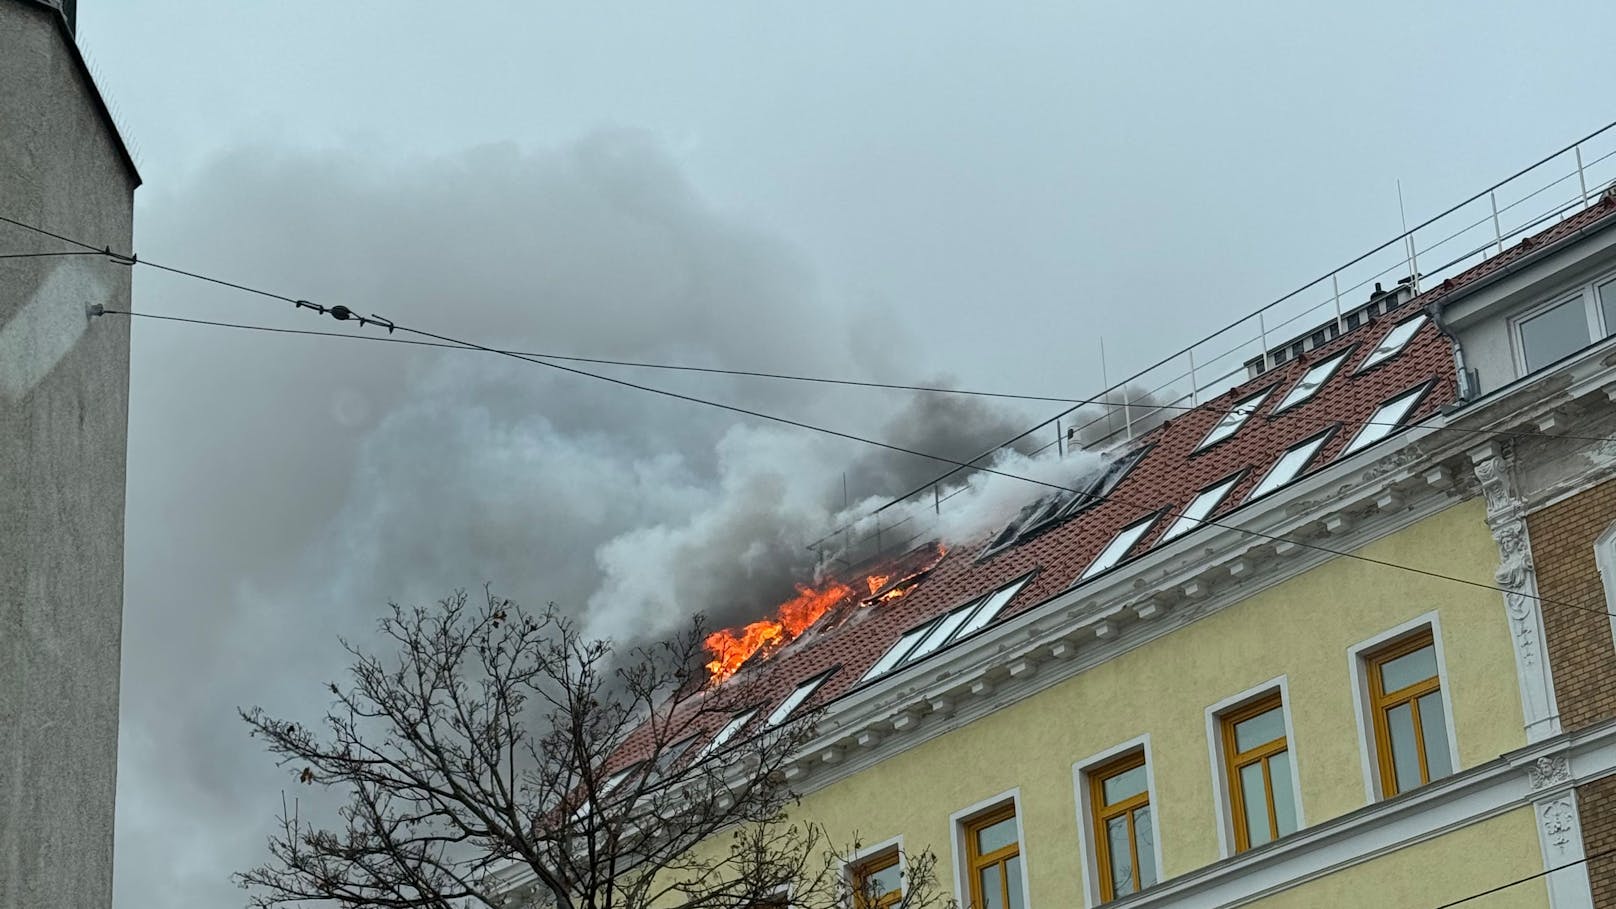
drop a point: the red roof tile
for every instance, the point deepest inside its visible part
(1168, 477)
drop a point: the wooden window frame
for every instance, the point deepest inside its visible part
(861, 870)
(976, 862)
(1102, 813)
(1234, 761)
(1381, 702)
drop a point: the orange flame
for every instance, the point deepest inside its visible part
(731, 648)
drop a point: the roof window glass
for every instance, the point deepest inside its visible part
(1312, 381)
(1234, 419)
(1386, 419)
(1120, 544)
(991, 607)
(728, 732)
(1196, 512)
(1394, 342)
(899, 650)
(1290, 464)
(794, 699)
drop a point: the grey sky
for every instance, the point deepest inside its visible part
(898, 192)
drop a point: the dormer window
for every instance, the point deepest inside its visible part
(1312, 381)
(1120, 544)
(1291, 464)
(1394, 342)
(1388, 418)
(1234, 419)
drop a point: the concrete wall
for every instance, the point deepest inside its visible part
(63, 422)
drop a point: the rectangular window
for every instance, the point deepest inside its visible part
(1607, 305)
(1312, 381)
(1394, 342)
(878, 881)
(1556, 332)
(1124, 831)
(1120, 544)
(735, 725)
(1202, 506)
(1257, 761)
(991, 607)
(993, 860)
(1405, 699)
(794, 700)
(937, 633)
(1387, 419)
(1290, 464)
(1234, 419)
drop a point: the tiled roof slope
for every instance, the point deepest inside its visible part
(1168, 477)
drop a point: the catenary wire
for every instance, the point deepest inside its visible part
(787, 421)
(443, 345)
(1530, 877)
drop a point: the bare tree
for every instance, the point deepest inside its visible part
(501, 759)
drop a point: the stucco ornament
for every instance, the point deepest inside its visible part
(1516, 576)
(1559, 820)
(1549, 770)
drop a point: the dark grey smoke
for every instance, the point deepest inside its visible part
(284, 489)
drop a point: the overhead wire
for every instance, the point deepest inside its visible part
(343, 313)
(1530, 877)
(640, 364)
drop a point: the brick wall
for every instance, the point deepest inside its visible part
(1581, 652)
(1596, 802)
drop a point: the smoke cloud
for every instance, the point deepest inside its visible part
(283, 490)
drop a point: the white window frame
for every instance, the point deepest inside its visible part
(1416, 396)
(1358, 664)
(1088, 843)
(1144, 527)
(1371, 361)
(1323, 438)
(1183, 518)
(1598, 331)
(1605, 558)
(813, 684)
(1256, 400)
(956, 826)
(853, 859)
(1214, 744)
(1340, 359)
(731, 728)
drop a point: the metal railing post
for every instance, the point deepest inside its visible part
(1194, 390)
(1498, 230)
(1262, 336)
(1060, 443)
(1335, 285)
(1582, 179)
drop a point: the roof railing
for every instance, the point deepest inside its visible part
(1533, 198)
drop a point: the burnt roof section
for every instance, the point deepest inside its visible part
(1165, 480)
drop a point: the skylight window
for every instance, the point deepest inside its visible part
(1291, 464)
(728, 732)
(1312, 381)
(938, 633)
(1120, 544)
(1388, 418)
(991, 607)
(1196, 512)
(794, 699)
(1394, 342)
(1234, 419)
(899, 650)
